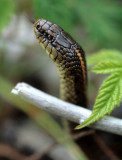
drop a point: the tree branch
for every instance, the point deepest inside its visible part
(66, 110)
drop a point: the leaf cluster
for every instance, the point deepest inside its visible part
(110, 92)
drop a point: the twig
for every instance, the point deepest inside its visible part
(82, 134)
(66, 110)
(39, 155)
(105, 148)
(47, 149)
(9, 152)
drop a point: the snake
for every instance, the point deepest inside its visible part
(70, 61)
(69, 58)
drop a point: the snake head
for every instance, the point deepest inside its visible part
(43, 31)
(47, 32)
(52, 38)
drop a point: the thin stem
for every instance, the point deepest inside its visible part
(66, 110)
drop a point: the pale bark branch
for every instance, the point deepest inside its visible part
(66, 110)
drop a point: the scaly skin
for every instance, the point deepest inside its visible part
(69, 58)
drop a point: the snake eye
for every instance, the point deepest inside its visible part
(37, 27)
(49, 37)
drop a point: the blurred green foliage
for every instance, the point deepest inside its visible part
(102, 20)
(55, 10)
(7, 8)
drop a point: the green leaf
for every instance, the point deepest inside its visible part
(110, 95)
(7, 8)
(104, 55)
(108, 67)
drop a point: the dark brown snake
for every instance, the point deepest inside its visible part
(69, 58)
(70, 61)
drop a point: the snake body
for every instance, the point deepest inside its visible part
(69, 58)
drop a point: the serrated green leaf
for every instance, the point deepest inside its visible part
(104, 55)
(110, 66)
(106, 100)
(7, 8)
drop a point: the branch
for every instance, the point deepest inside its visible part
(66, 110)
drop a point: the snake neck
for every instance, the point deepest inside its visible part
(72, 90)
(73, 79)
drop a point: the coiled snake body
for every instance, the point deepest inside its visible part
(69, 58)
